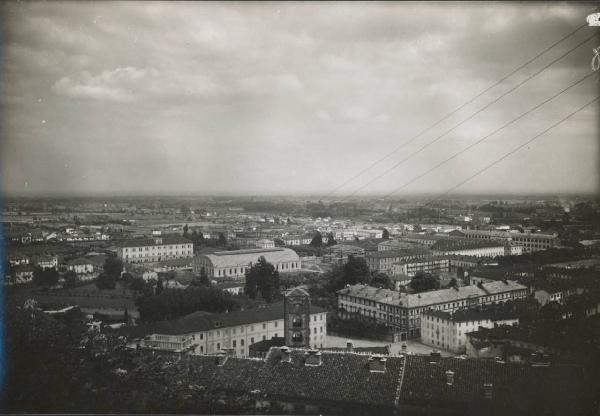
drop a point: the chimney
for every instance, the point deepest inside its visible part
(349, 346)
(450, 377)
(435, 357)
(286, 355)
(487, 390)
(377, 363)
(221, 358)
(313, 358)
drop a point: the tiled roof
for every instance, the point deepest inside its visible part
(399, 253)
(516, 388)
(237, 258)
(433, 297)
(163, 241)
(202, 322)
(467, 315)
(455, 244)
(342, 378)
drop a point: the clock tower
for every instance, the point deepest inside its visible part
(296, 318)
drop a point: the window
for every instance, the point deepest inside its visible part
(252, 340)
(218, 345)
(242, 342)
(264, 326)
(234, 344)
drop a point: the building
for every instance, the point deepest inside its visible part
(296, 318)
(233, 264)
(204, 333)
(465, 247)
(431, 264)
(529, 241)
(21, 274)
(394, 245)
(436, 385)
(47, 262)
(303, 381)
(233, 287)
(158, 248)
(80, 266)
(383, 261)
(264, 243)
(402, 312)
(423, 239)
(448, 331)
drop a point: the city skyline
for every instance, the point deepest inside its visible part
(287, 98)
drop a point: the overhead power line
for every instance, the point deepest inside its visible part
(516, 149)
(450, 114)
(404, 185)
(536, 73)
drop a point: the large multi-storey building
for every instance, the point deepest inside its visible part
(403, 311)
(466, 247)
(430, 264)
(204, 333)
(383, 261)
(529, 241)
(448, 331)
(149, 250)
(233, 264)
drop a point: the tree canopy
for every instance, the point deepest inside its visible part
(262, 278)
(317, 240)
(423, 282)
(113, 267)
(45, 277)
(385, 234)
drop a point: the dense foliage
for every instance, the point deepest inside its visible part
(263, 279)
(45, 277)
(175, 303)
(423, 282)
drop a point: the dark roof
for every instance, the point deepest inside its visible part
(342, 378)
(516, 388)
(380, 350)
(165, 240)
(200, 322)
(464, 244)
(466, 315)
(399, 253)
(266, 344)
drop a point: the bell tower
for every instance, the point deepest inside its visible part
(296, 318)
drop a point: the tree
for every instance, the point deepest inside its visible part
(381, 280)
(222, 240)
(204, 281)
(106, 281)
(453, 283)
(70, 278)
(422, 282)
(317, 240)
(355, 271)
(113, 267)
(331, 240)
(262, 278)
(137, 284)
(185, 231)
(159, 287)
(45, 277)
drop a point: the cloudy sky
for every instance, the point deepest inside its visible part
(289, 98)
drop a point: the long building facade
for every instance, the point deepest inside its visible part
(151, 250)
(202, 333)
(233, 264)
(402, 312)
(529, 241)
(430, 264)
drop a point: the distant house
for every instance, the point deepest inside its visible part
(47, 262)
(20, 274)
(235, 288)
(264, 243)
(80, 266)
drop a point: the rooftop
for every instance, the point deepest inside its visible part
(157, 241)
(200, 322)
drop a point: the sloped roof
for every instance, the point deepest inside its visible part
(242, 258)
(164, 240)
(516, 388)
(196, 322)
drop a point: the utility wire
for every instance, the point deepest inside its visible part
(491, 134)
(447, 116)
(470, 117)
(516, 149)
